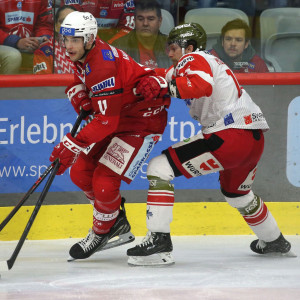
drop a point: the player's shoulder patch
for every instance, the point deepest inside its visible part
(108, 55)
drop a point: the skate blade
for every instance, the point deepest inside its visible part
(276, 254)
(117, 241)
(154, 260)
(70, 258)
(120, 240)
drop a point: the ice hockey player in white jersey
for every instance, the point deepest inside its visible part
(231, 143)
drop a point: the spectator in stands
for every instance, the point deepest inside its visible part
(146, 44)
(44, 62)
(24, 25)
(114, 18)
(233, 47)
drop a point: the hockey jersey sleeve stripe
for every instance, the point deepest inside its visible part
(202, 75)
(193, 88)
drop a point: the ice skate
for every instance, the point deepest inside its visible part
(155, 250)
(118, 235)
(279, 247)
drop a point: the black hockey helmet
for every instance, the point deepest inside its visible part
(184, 34)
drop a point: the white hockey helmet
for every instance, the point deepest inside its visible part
(79, 24)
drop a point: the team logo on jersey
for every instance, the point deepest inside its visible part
(108, 55)
(87, 69)
(16, 17)
(107, 83)
(228, 119)
(129, 6)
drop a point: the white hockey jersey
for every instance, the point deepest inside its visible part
(213, 94)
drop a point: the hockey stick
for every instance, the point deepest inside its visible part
(7, 265)
(76, 125)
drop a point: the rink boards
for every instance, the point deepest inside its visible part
(73, 221)
(32, 120)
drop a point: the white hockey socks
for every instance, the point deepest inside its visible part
(160, 204)
(257, 216)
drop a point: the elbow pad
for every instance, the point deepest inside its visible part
(173, 90)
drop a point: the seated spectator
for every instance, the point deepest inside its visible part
(114, 18)
(24, 25)
(233, 47)
(146, 44)
(43, 61)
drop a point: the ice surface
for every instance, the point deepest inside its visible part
(207, 267)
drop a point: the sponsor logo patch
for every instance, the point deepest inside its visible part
(70, 2)
(184, 62)
(107, 83)
(67, 31)
(16, 17)
(117, 4)
(142, 156)
(39, 67)
(247, 184)
(228, 119)
(117, 155)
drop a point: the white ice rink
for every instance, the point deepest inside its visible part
(207, 267)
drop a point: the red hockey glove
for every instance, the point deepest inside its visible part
(151, 87)
(67, 152)
(79, 98)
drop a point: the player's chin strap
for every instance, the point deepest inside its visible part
(86, 51)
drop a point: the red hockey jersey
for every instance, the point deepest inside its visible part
(110, 75)
(20, 19)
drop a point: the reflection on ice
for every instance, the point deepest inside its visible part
(207, 267)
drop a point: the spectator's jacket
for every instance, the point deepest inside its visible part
(21, 19)
(43, 59)
(129, 44)
(250, 62)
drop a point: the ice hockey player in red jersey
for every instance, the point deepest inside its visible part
(231, 143)
(124, 130)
